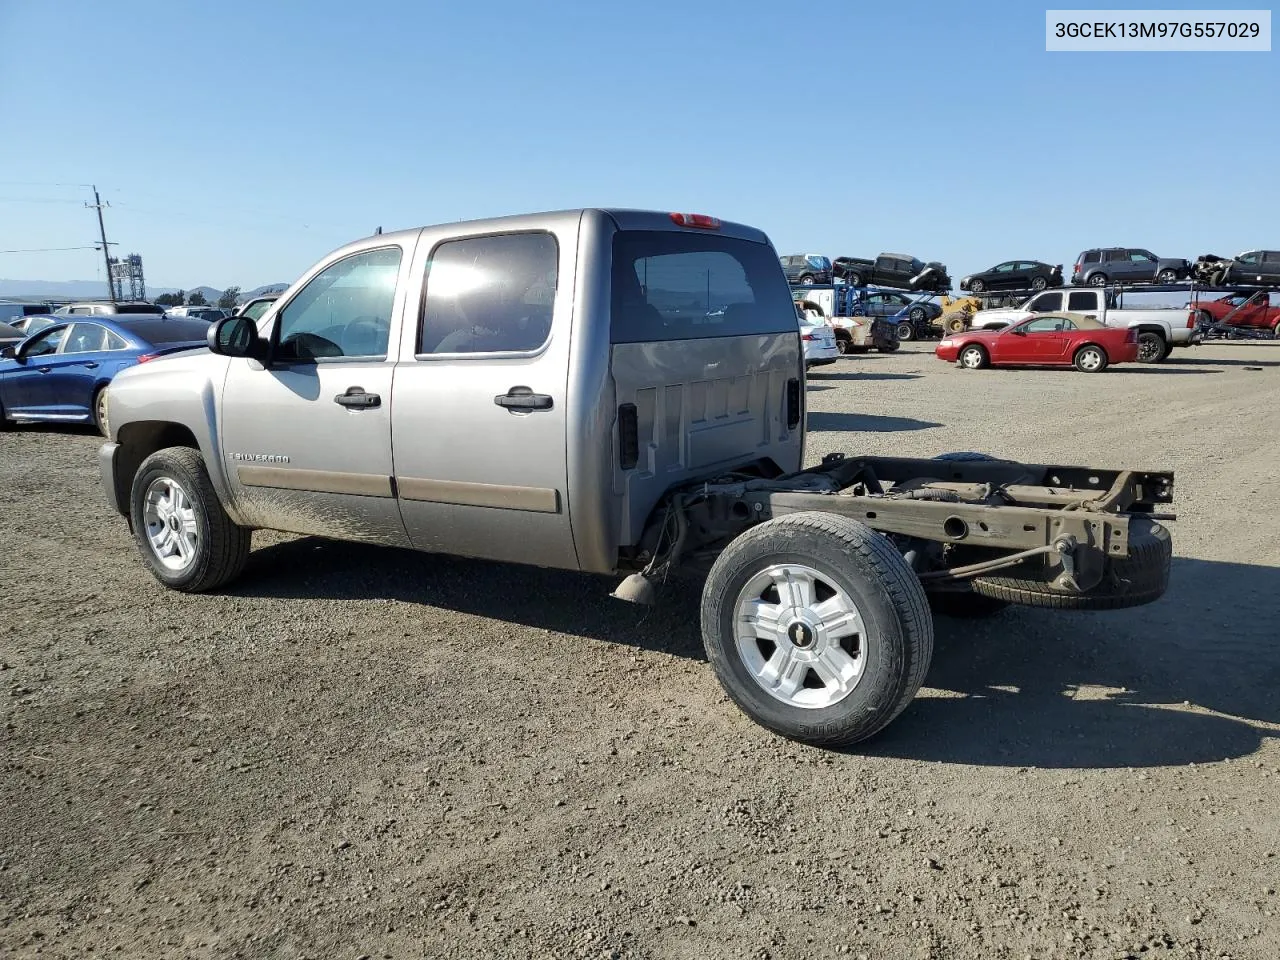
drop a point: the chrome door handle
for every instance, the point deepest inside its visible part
(91, 364)
(356, 397)
(518, 399)
(44, 369)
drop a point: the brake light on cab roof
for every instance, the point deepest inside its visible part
(699, 220)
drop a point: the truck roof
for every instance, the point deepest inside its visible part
(625, 219)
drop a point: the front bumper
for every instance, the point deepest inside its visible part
(107, 454)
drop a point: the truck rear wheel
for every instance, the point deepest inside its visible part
(185, 536)
(1150, 347)
(816, 628)
(1130, 581)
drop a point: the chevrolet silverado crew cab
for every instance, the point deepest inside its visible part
(1160, 329)
(613, 392)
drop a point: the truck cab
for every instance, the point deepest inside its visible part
(522, 389)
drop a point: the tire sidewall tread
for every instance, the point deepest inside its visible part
(224, 546)
(886, 592)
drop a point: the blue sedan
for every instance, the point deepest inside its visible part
(61, 373)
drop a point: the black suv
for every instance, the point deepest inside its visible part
(806, 268)
(1255, 268)
(1103, 265)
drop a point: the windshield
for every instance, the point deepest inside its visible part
(680, 286)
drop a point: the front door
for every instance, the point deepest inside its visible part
(1048, 339)
(27, 387)
(479, 414)
(307, 439)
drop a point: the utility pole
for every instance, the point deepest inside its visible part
(106, 254)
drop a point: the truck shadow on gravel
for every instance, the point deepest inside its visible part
(1027, 688)
(865, 422)
(556, 600)
(1185, 680)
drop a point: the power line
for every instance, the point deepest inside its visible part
(49, 249)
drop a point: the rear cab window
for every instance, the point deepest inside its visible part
(668, 285)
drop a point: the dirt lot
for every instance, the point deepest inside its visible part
(360, 752)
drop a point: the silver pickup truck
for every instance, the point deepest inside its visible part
(614, 392)
(1160, 329)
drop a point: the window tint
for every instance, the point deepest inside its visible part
(1249, 258)
(1114, 255)
(115, 342)
(1046, 302)
(1091, 257)
(86, 338)
(1005, 267)
(1025, 265)
(344, 311)
(80, 311)
(1048, 325)
(1082, 300)
(139, 308)
(683, 286)
(490, 294)
(1141, 256)
(45, 343)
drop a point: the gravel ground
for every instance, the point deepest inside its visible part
(363, 752)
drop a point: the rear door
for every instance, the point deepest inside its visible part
(478, 422)
(85, 350)
(1083, 301)
(1004, 277)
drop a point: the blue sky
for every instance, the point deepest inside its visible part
(240, 141)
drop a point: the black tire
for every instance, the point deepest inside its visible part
(1130, 581)
(5, 423)
(1167, 276)
(222, 546)
(916, 314)
(1039, 283)
(100, 412)
(806, 279)
(966, 606)
(906, 331)
(844, 345)
(976, 286)
(1275, 335)
(981, 361)
(1204, 318)
(1098, 280)
(1090, 359)
(886, 593)
(855, 280)
(1168, 349)
(1150, 347)
(889, 347)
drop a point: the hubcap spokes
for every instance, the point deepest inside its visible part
(800, 636)
(170, 519)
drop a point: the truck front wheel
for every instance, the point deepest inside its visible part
(184, 535)
(817, 628)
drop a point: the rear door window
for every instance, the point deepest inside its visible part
(681, 286)
(1082, 300)
(490, 294)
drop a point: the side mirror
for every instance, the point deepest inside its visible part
(1018, 332)
(236, 337)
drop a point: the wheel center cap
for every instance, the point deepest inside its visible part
(801, 634)
(173, 523)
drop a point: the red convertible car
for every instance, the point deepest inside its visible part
(1253, 311)
(1045, 340)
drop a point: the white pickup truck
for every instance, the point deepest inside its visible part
(1160, 329)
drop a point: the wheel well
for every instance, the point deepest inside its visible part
(1090, 343)
(1148, 328)
(137, 442)
(843, 334)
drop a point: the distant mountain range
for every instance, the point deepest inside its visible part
(97, 289)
